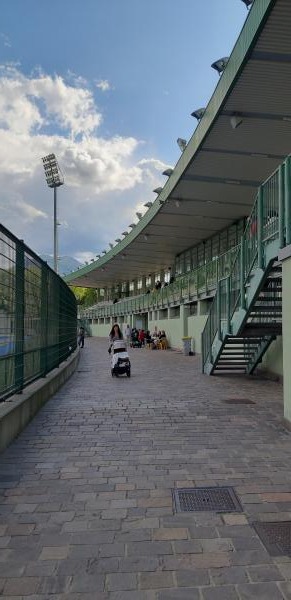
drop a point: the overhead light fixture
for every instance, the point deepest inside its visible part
(146, 237)
(104, 251)
(97, 255)
(236, 120)
(248, 3)
(148, 204)
(139, 215)
(123, 256)
(168, 172)
(125, 233)
(132, 225)
(182, 144)
(158, 190)
(198, 113)
(118, 240)
(177, 203)
(220, 64)
(102, 269)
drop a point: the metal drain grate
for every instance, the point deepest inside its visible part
(276, 537)
(216, 499)
(239, 401)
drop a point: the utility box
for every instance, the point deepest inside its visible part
(186, 345)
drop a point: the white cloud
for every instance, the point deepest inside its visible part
(104, 85)
(5, 40)
(105, 182)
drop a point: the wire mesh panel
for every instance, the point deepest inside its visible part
(38, 316)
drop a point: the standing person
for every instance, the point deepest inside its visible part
(81, 337)
(127, 334)
(115, 334)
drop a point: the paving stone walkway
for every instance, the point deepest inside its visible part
(85, 491)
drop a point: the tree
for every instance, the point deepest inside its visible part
(85, 296)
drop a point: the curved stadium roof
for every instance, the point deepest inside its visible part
(217, 176)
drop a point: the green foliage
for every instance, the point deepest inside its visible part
(84, 296)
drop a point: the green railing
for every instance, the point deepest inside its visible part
(184, 289)
(38, 316)
(268, 221)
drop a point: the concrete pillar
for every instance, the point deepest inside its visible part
(285, 257)
(184, 313)
(144, 287)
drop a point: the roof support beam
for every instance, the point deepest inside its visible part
(223, 181)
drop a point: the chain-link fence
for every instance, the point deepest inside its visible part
(38, 316)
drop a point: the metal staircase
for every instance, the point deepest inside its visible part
(246, 313)
(241, 353)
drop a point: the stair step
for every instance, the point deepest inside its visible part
(237, 363)
(267, 309)
(244, 340)
(229, 368)
(269, 298)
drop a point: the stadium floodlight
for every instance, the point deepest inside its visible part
(220, 64)
(118, 240)
(182, 144)
(168, 172)
(139, 215)
(125, 233)
(198, 113)
(158, 190)
(148, 204)
(54, 179)
(248, 3)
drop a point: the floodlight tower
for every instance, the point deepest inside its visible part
(54, 179)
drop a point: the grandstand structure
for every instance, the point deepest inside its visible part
(219, 232)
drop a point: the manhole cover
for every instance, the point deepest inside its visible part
(276, 536)
(216, 499)
(239, 401)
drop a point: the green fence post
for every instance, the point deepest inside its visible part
(242, 274)
(228, 304)
(260, 219)
(281, 207)
(219, 310)
(19, 317)
(44, 320)
(287, 195)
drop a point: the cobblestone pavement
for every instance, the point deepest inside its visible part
(85, 491)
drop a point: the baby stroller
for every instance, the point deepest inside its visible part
(120, 363)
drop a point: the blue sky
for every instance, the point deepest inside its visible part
(108, 85)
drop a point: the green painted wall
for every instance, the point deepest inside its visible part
(175, 328)
(195, 327)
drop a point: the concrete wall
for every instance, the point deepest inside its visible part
(21, 408)
(273, 359)
(286, 296)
